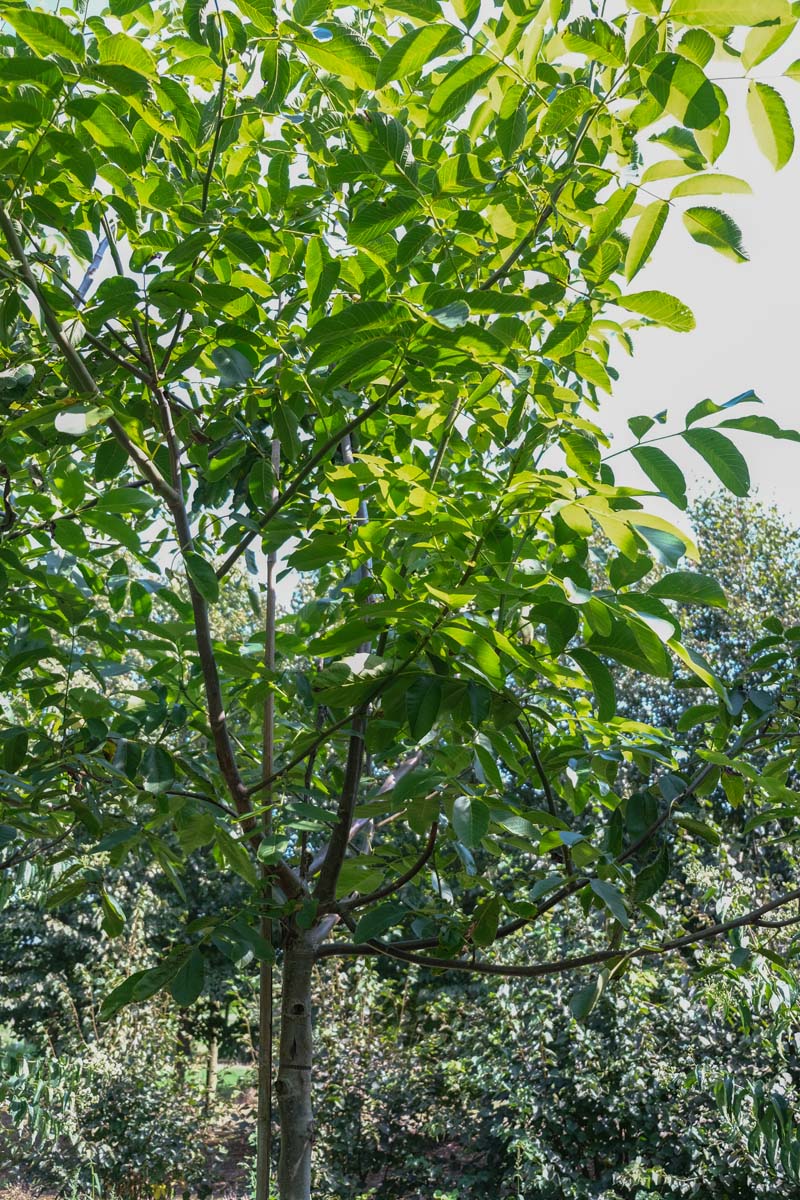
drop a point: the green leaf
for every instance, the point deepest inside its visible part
(377, 921)
(771, 123)
(681, 87)
(260, 12)
(669, 545)
(486, 918)
(13, 747)
(712, 227)
(272, 847)
(763, 425)
(138, 988)
(344, 53)
(462, 81)
(612, 899)
(236, 856)
(470, 820)
(710, 185)
(643, 653)
(699, 829)
(202, 575)
(596, 39)
(721, 14)
(373, 221)
(158, 769)
(663, 472)
(123, 51)
(698, 46)
(583, 1002)
(652, 877)
(414, 51)
(263, 949)
(609, 215)
(690, 587)
(707, 408)
(661, 308)
(68, 483)
(321, 272)
(602, 682)
(452, 315)
(19, 112)
(234, 367)
(423, 700)
(44, 33)
(568, 333)
(645, 236)
(113, 916)
(126, 500)
(724, 459)
(308, 12)
(189, 980)
(569, 104)
(360, 321)
(699, 667)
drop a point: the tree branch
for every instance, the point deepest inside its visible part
(399, 883)
(325, 890)
(563, 965)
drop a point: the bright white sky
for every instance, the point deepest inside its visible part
(748, 315)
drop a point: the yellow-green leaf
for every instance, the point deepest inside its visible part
(721, 14)
(343, 53)
(460, 84)
(414, 51)
(645, 236)
(45, 33)
(710, 185)
(119, 50)
(771, 123)
(660, 307)
(762, 43)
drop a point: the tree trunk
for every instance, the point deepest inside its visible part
(183, 1049)
(264, 1115)
(212, 1065)
(293, 1088)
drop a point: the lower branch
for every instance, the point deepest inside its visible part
(559, 966)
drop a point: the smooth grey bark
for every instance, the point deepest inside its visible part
(293, 1086)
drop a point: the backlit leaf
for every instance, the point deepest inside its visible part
(45, 33)
(715, 228)
(719, 14)
(661, 308)
(645, 235)
(771, 123)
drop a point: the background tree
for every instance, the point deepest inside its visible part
(404, 245)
